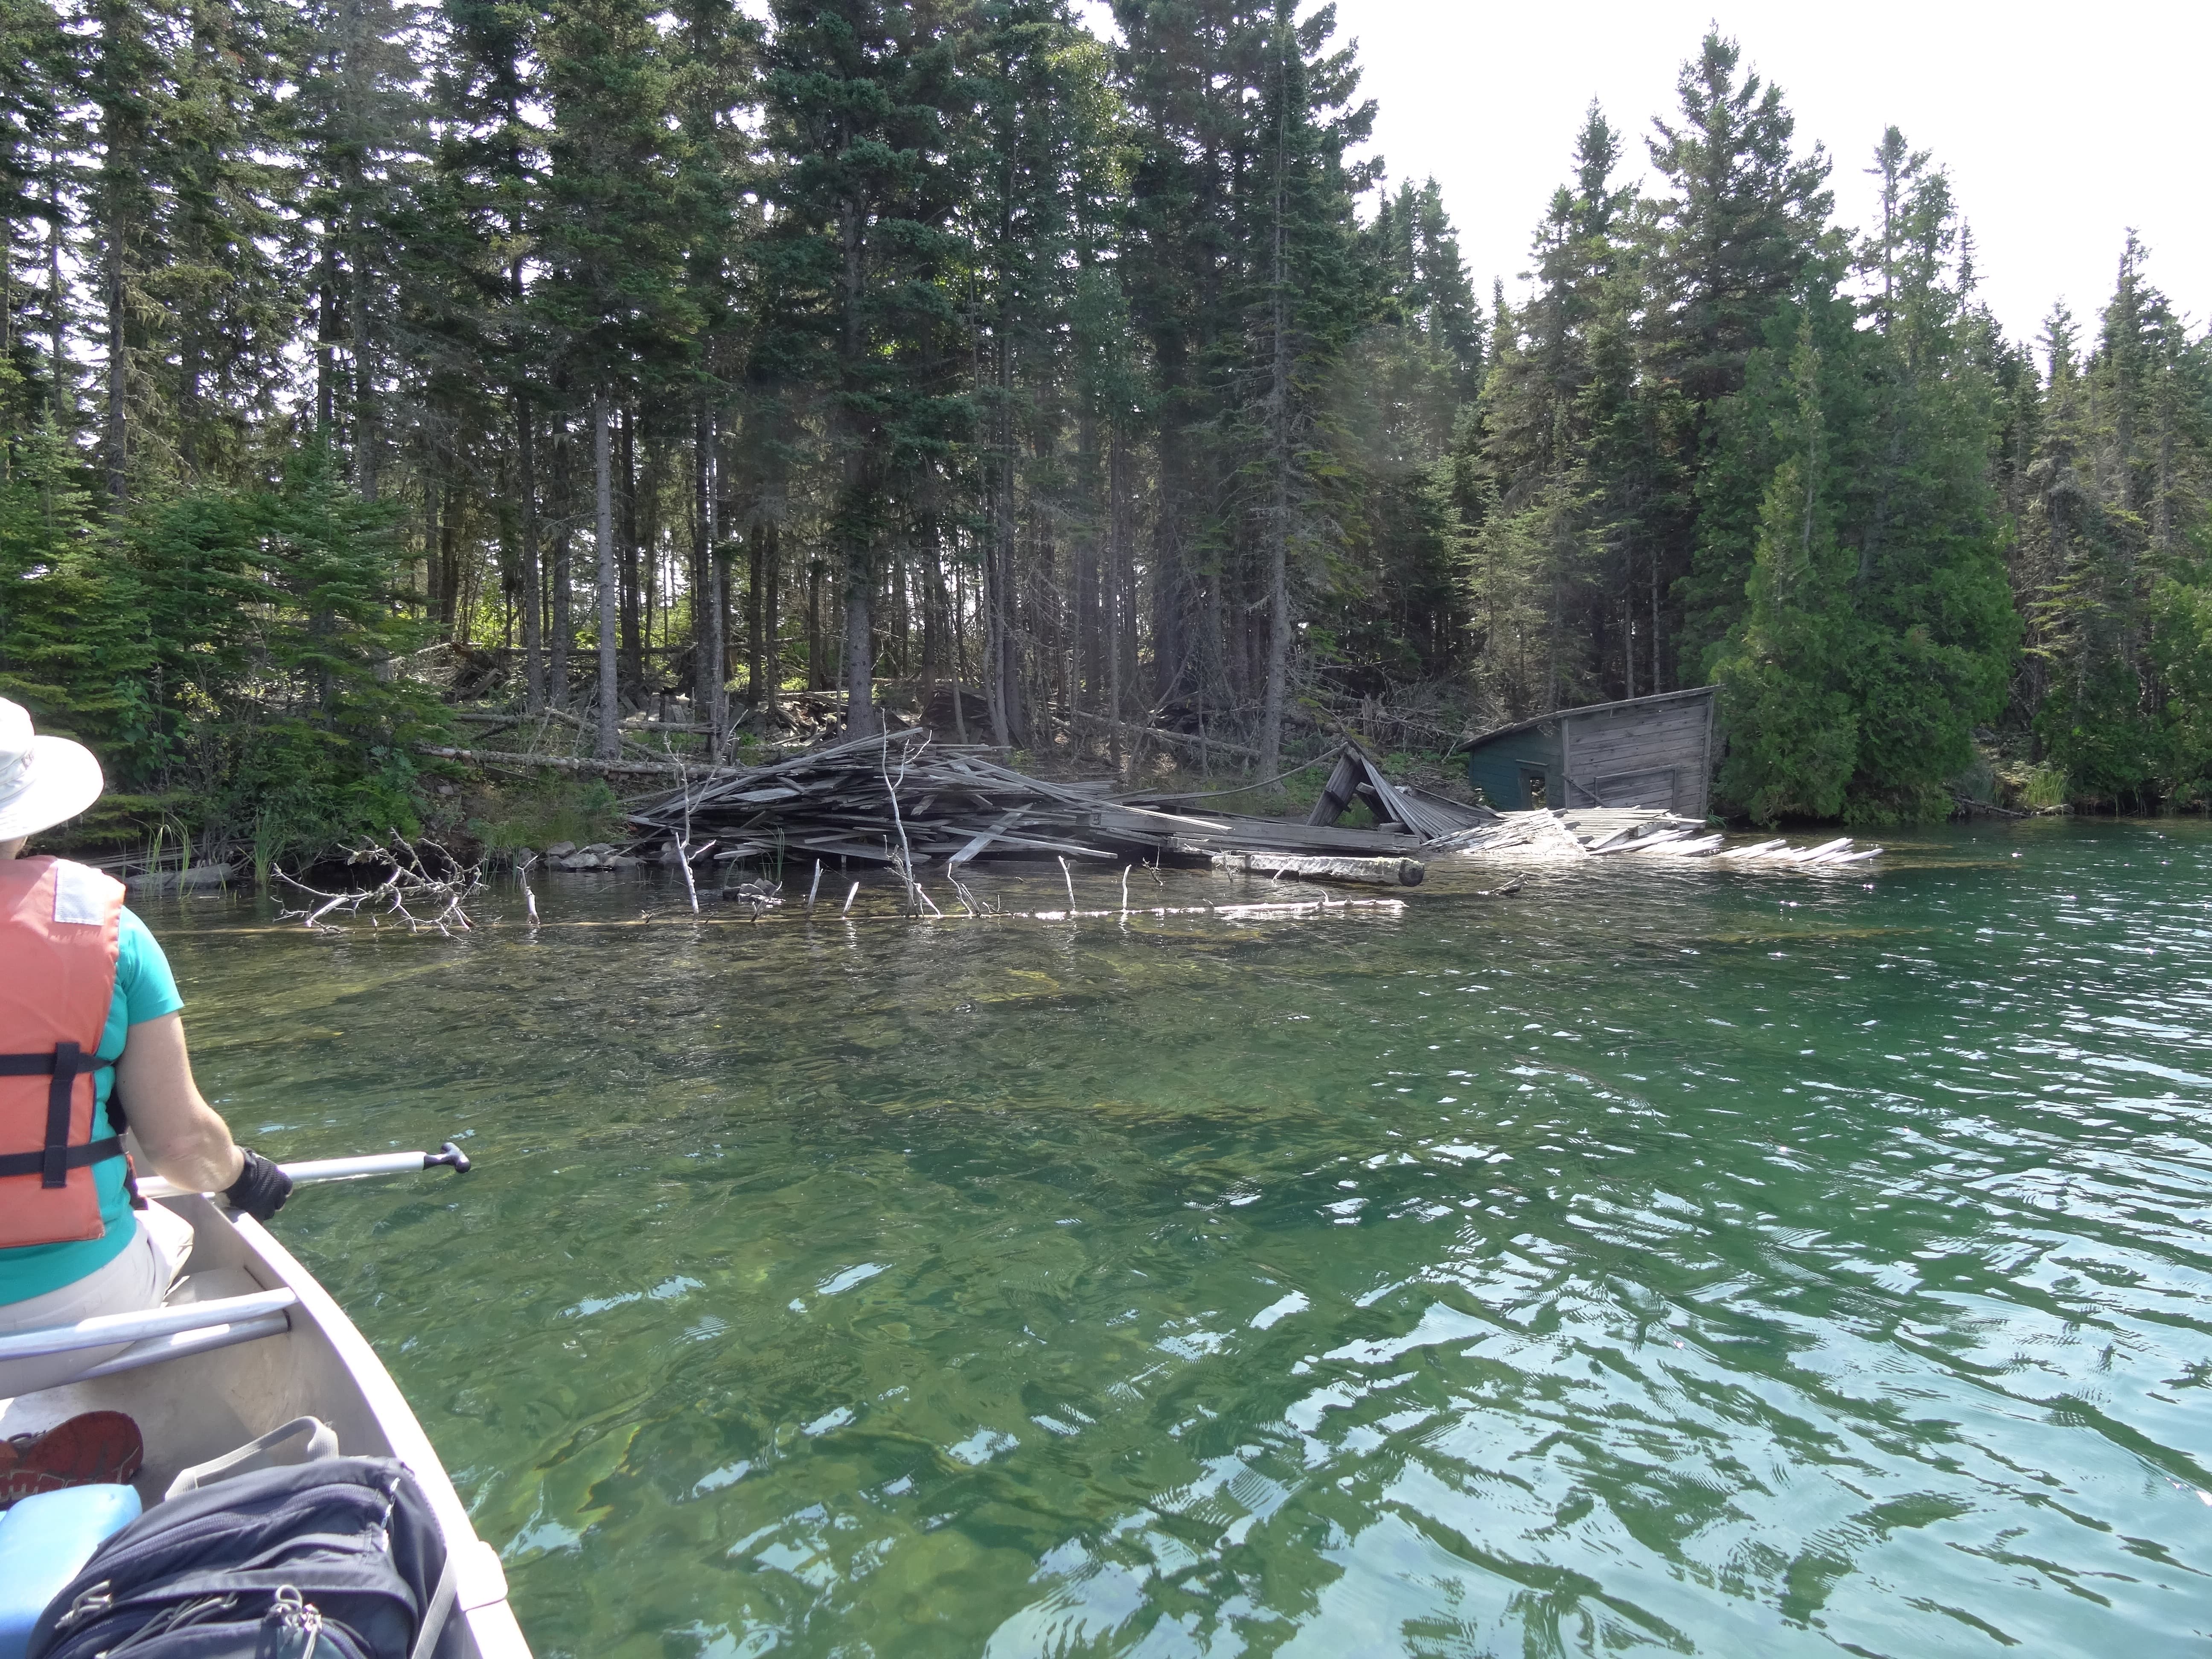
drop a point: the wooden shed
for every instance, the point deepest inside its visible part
(1646, 751)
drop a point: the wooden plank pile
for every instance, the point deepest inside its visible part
(1584, 832)
(903, 799)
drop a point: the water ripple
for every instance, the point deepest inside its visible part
(1668, 1262)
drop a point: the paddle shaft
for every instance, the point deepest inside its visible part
(344, 1168)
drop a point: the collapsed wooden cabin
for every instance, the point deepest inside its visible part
(1396, 806)
(1653, 752)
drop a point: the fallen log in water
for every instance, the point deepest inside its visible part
(1378, 872)
(1225, 912)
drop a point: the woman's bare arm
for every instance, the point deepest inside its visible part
(182, 1136)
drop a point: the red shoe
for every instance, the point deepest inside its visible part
(91, 1449)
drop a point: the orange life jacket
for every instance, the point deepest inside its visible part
(60, 924)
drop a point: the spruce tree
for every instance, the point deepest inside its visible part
(1878, 628)
(861, 96)
(1743, 215)
(615, 297)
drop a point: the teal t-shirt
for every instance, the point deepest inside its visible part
(144, 989)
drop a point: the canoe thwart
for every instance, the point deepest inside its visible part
(106, 1330)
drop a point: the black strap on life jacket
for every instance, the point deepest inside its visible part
(53, 1163)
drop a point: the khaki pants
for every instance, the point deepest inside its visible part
(139, 1277)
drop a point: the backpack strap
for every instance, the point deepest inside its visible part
(434, 1613)
(322, 1443)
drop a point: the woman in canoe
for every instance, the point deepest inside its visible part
(89, 1030)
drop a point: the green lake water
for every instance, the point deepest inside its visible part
(1660, 1260)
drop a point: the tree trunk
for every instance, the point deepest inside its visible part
(454, 600)
(860, 646)
(2161, 530)
(1117, 593)
(1628, 623)
(1279, 412)
(366, 434)
(817, 676)
(1655, 622)
(119, 374)
(756, 612)
(57, 304)
(433, 568)
(999, 653)
(647, 544)
(630, 585)
(564, 620)
(770, 604)
(710, 672)
(533, 666)
(452, 610)
(603, 470)
(1085, 637)
(327, 335)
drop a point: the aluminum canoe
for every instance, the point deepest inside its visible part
(246, 1341)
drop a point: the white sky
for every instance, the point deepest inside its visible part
(2061, 125)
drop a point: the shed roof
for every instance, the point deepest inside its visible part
(1466, 744)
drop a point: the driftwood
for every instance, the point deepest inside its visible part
(1571, 835)
(1378, 872)
(407, 884)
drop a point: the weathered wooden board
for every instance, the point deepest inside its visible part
(1650, 755)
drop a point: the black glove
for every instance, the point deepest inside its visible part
(261, 1188)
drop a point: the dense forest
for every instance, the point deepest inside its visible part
(686, 356)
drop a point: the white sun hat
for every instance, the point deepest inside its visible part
(43, 781)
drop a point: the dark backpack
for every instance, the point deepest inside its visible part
(340, 1557)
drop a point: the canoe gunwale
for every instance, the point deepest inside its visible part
(480, 1598)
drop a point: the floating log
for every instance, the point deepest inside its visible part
(1378, 872)
(1233, 832)
(1225, 912)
